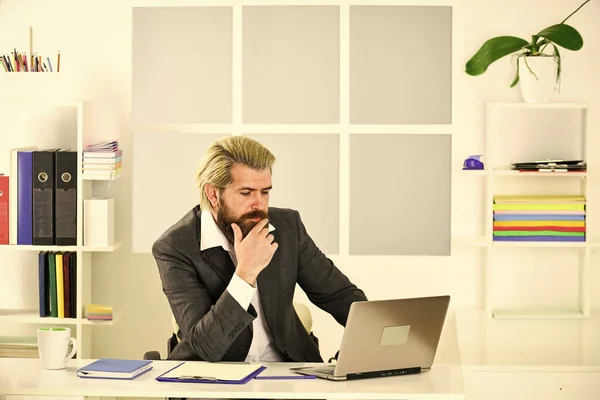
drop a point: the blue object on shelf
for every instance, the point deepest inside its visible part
(473, 163)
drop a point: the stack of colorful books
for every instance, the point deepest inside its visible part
(545, 218)
(102, 161)
(97, 312)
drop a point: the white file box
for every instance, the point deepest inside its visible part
(98, 221)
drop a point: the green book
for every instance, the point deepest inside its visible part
(52, 289)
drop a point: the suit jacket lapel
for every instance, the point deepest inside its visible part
(221, 262)
(268, 288)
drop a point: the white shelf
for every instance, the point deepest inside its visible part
(33, 317)
(473, 172)
(539, 244)
(537, 314)
(105, 249)
(482, 241)
(563, 105)
(514, 173)
(510, 172)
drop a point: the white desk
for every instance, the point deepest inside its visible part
(26, 377)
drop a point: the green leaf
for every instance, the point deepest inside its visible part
(563, 35)
(516, 80)
(491, 51)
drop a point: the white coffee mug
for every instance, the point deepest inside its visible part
(53, 347)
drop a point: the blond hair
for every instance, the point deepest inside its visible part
(222, 155)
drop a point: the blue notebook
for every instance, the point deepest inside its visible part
(110, 368)
(212, 372)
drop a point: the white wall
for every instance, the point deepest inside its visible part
(95, 39)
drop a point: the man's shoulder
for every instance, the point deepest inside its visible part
(185, 229)
(283, 218)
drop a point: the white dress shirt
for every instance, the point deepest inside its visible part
(262, 347)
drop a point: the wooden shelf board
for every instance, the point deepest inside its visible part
(32, 317)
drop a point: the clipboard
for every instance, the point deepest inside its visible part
(209, 372)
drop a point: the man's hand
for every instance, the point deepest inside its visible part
(254, 252)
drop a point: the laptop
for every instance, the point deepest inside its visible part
(387, 338)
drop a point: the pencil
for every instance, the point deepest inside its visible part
(58, 62)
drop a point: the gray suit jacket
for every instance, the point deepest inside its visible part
(214, 327)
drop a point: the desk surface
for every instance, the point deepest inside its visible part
(26, 377)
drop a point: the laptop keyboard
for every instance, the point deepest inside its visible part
(325, 370)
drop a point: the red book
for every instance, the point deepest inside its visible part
(4, 210)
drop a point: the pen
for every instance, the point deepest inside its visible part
(195, 377)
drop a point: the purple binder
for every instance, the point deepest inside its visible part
(24, 197)
(539, 238)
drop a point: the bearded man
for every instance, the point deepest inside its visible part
(229, 267)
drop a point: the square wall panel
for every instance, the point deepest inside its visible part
(400, 194)
(164, 181)
(182, 70)
(400, 64)
(306, 178)
(290, 64)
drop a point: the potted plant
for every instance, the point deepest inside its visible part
(538, 72)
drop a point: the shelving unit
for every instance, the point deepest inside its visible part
(73, 129)
(494, 173)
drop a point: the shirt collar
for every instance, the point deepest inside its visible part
(211, 235)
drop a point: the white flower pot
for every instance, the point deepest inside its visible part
(541, 87)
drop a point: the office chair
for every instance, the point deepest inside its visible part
(301, 309)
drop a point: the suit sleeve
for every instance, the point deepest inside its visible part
(209, 328)
(324, 284)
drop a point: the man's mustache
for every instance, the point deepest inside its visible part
(254, 214)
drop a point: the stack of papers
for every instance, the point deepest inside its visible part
(96, 312)
(110, 368)
(551, 166)
(559, 218)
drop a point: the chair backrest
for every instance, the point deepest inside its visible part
(305, 315)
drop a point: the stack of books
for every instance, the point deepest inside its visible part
(102, 161)
(58, 284)
(547, 218)
(97, 312)
(18, 347)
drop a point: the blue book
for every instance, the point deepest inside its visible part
(110, 368)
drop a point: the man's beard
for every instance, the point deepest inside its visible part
(225, 218)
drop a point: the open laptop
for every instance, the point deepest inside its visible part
(387, 338)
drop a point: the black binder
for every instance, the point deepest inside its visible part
(65, 186)
(44, 284)
(43, 197)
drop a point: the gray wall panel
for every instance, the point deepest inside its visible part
(400, 65)
(306, 178)
(181, 63)
(400, 194)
